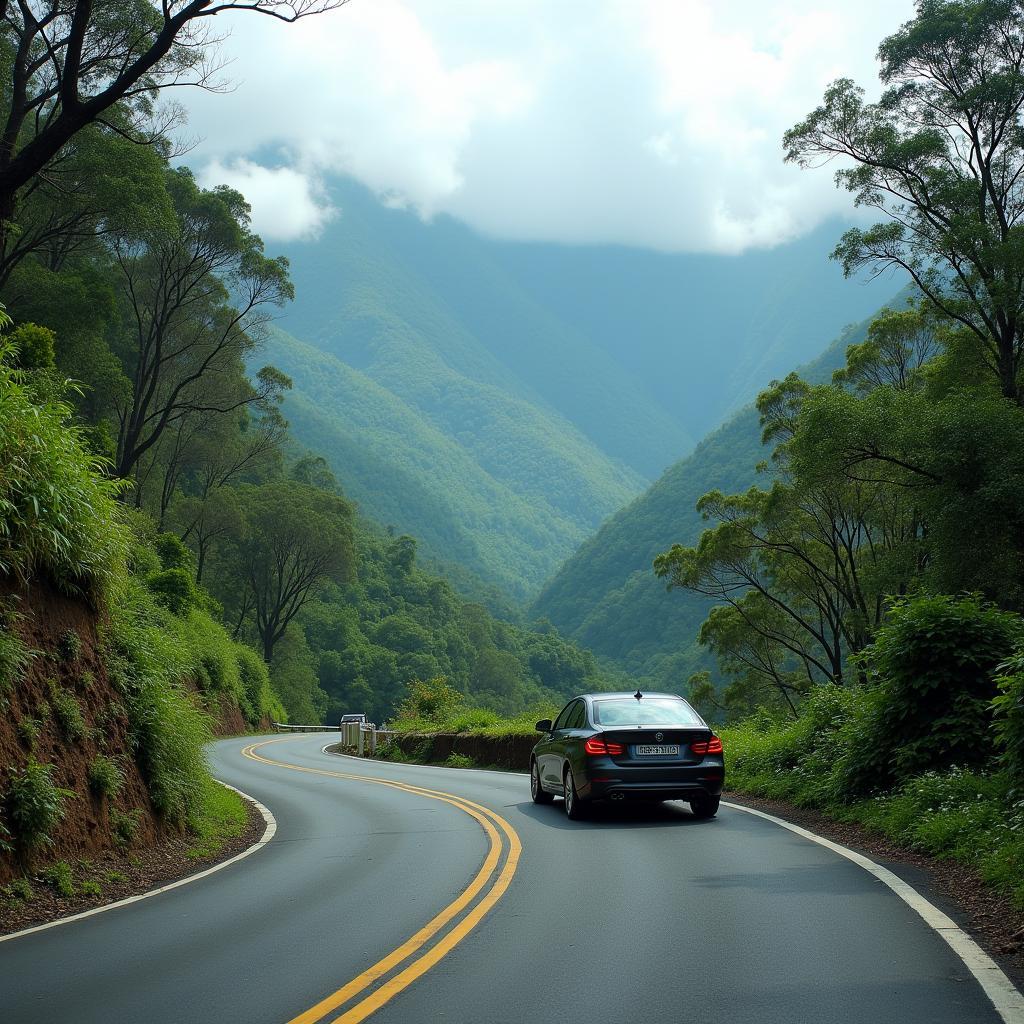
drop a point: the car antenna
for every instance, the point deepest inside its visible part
(638, 695)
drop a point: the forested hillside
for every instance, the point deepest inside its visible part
(500, 401)
(485, 480)
(607, 597)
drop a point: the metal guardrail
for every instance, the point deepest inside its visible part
(283, 727)
(364, 737)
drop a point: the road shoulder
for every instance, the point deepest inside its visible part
(991, 918)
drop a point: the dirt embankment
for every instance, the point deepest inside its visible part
(65, 672)
(62, 709)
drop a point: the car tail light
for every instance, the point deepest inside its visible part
(711, 746)
(596, 745)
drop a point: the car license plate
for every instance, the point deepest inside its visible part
(656, 749)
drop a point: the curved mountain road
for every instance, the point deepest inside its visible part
(639, 915)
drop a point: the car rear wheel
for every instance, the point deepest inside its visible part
(705, 806)
(574, 807)
(537, 791)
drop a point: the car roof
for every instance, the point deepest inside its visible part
(631, 696)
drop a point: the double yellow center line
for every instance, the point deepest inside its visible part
(466, 911)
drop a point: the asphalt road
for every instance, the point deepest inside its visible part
(639, 915)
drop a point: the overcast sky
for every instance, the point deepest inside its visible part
(652, 123)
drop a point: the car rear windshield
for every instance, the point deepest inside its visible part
(646, 711)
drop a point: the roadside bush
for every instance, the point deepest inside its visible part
(255, 678)
(175, 589)
(19, 889)
(169, 731)
(794, 759)
(964, 815)
(1009, 717)
(935, 661)
(151, 653)
(105, 776)
(471, 720)
(429, 700)
(460, 761)
(35, 805)
(392, 752)
(58, 512)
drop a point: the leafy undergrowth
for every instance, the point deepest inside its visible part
(475, 722)
(223, 817)
(433, 706)
(975, 817)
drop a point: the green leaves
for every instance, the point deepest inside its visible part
(58, 513)
(941, 156)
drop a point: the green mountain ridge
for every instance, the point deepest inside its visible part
(607, 597)
(449, 289)
(464, 501)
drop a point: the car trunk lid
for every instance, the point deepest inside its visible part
(644, 746)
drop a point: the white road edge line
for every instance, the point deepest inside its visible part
(1008, 1002)
(268, 834)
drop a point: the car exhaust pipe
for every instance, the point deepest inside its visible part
(616, 796)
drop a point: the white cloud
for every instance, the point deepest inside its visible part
(644, 122)
(287, 204)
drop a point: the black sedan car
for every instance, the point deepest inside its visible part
(615, 746)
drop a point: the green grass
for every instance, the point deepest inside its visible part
(69, 647)
(35, 805)
(28, 730)
(19, 890)
(58, 508)
(223, 817)
(105, 776)
(60, 878)
(124, 827)
(14, 657)
(67, 713)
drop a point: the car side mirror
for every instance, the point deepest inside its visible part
(544, 725)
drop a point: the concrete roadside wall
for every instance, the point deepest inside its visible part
(509, 752)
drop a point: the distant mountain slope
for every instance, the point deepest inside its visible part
(606, 595)
(643, 352)
(509, 498)
(500, 401)
(383, 291)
